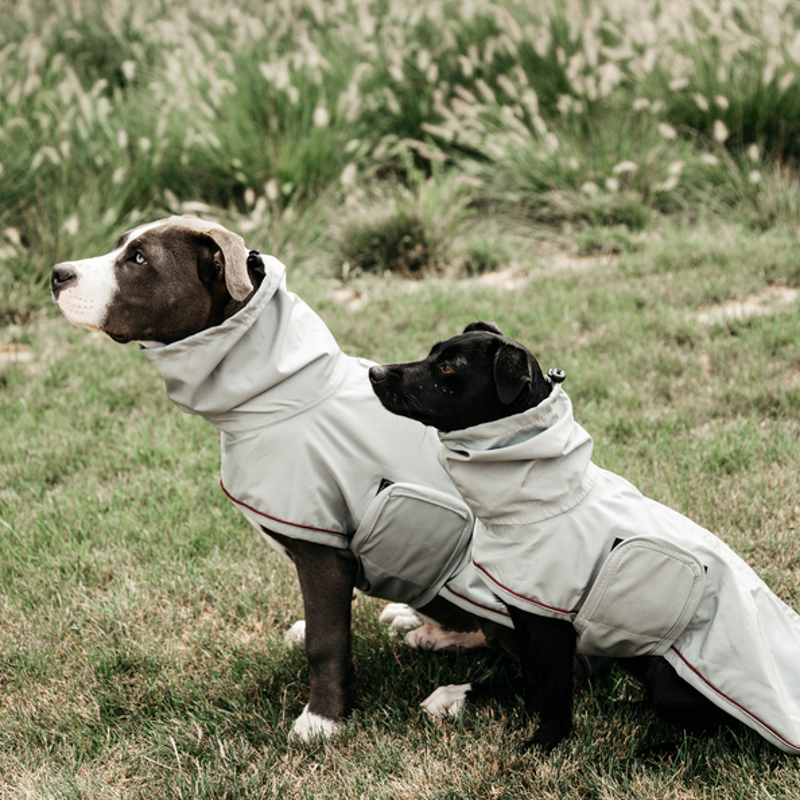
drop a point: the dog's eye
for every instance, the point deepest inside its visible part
(447, 368)
(139, 259)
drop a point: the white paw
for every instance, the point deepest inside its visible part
(430, 637)
(399, 616)
(447, 700)
(296, 635)
(308, 726)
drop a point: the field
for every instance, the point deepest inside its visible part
(614, 183)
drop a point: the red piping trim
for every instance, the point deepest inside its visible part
(674, 649)
(732, 701)
(479, 605)
(521, 596)
(276, 519)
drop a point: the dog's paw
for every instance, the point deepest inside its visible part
(547, 737)
(399, 616)
(296, 635)
(309, 726)
(430, 637)
(447, 700)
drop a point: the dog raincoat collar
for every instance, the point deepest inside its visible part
(254, 364)
(551, 454)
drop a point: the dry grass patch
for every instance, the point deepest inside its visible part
(770, 300)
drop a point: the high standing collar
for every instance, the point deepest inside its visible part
(542, 449)
(269, 361)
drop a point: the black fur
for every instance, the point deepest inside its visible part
(475, 377)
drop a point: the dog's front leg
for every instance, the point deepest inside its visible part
(327, 579)
(547, 649)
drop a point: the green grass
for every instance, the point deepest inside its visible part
(141, 647)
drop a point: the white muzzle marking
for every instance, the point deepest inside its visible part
(85, 302)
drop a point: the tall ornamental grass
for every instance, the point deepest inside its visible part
(275, 113)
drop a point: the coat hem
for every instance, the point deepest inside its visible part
(777, 738)
(506, 617)
(515, 598)
(245, 507)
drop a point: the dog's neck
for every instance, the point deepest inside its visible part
(526, 400)
(225, 306)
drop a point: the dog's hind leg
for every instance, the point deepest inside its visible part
(427, 634)
(435, 638)
(446, 627)
(675, 701)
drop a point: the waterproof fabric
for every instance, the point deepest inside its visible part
(560, 537)
(307, 447)
(414, 571)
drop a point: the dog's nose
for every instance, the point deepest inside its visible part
(63, 275)
(377, 374)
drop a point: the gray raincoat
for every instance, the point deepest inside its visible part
(558, 536)
(309, 452)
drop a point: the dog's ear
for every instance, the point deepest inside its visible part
(511, 371)
(231, 261)
(483, 326)
(229, 255)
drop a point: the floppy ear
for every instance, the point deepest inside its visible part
(511, 372)
(483, 326)
(231, 261)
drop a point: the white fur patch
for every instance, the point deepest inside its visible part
(447, 700)
(399, 616)
(296, 635)
(308, 726)
(85, 302)
(433, 638)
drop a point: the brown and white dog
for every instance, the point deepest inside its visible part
(173, 279)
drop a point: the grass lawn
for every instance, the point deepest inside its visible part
(141, 645)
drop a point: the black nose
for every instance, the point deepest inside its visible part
(63, 275)
(377, 374)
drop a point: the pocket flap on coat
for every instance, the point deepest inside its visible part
(411, 540)
(644, 596)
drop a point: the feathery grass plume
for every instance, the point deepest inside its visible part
(145, 98)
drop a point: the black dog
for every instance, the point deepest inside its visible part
(478, 377)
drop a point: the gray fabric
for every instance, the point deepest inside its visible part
(560, 537)
(398, 556)
(623, 616)
(306, 445)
